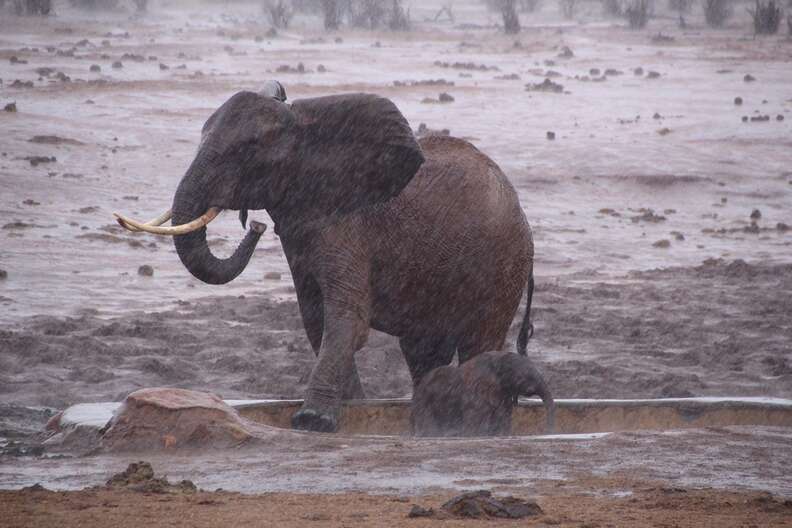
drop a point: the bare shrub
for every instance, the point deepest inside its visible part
(766, 18)
(280, 12)
(717, 12)
(612, 8)
(568, 8)
(637, 14)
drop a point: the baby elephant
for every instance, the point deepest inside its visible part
(477, 397)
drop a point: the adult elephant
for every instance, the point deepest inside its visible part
(424, 240)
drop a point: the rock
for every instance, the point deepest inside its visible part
(744, 119)
(418, 511)
(738, 101)
(653, 75)
(445, 98)
(10, 107)
(118, 65)
(163, 67)
(3, 274)
(139, 476)
(162, 418)
(664, 131)
(95, 68)
(749, 78)
(662, 244)
(482, 505)
(678, 236)
(550, 135)
(37, 487)
(756, 214)
(146, 271)
(272, 275)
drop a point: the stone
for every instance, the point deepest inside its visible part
(749, 78)
(550, 135)
(166, 418)
(662, 244)
(3, 274)
(482, 505)
(145, 271)
(95, 68)
(445, 98)
(738, 101)
(418, 511)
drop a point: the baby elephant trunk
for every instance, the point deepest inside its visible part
(530, 382)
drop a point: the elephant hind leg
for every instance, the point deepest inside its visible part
(424, 354)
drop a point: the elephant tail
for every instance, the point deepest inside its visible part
(527, 328)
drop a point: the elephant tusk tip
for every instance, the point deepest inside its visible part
(258, 227)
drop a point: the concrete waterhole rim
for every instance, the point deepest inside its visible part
(576, 419)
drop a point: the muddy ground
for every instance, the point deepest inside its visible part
(653, 278)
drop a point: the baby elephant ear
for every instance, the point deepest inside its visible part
(355, 150)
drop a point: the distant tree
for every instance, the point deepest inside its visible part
(528, 6)
(717, 12)
(511, 23)
(332, 14)
(32, 7)
(612, 8)
(637, 14)
(568, 8)
(279, 12)
(766, 18)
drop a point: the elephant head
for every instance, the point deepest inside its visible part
(314, 159)
(519, 377)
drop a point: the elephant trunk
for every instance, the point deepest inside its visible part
(190, 202)
(531, 382)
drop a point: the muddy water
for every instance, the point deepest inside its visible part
(140, 129)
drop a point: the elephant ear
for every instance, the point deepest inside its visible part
(355, 150)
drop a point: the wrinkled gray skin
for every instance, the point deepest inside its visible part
(425, 241)
(477, 398)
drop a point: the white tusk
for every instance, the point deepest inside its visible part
(183, 229)
(161, 219)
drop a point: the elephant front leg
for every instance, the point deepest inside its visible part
(335, 375)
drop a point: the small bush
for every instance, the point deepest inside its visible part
(637, 14)
(717, 12)
(766, 18)
(568, 8)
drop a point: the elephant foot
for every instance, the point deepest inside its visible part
(312, 420)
